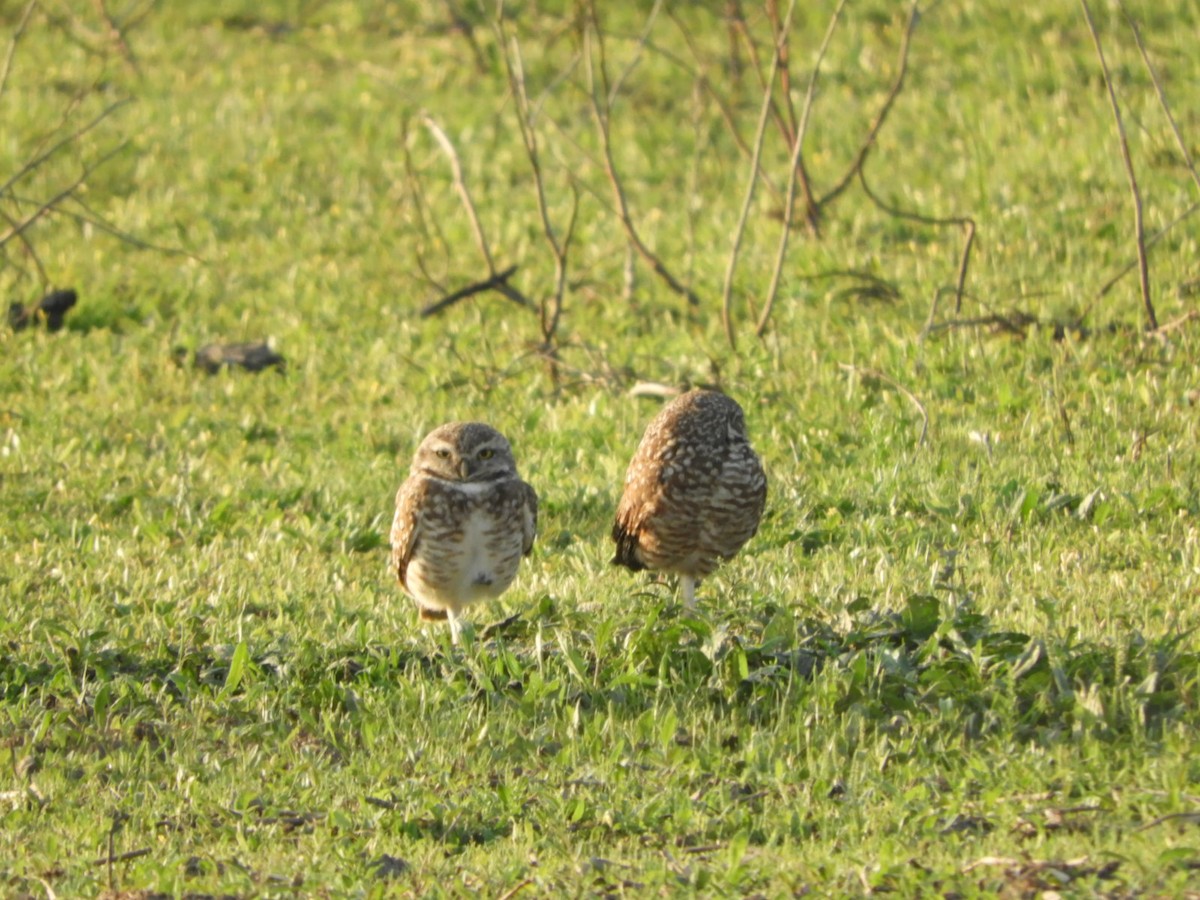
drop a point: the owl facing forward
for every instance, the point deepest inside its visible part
(694, 491)
(464, 518)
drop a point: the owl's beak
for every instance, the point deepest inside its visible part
(464, 469)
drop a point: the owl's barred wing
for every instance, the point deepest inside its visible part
(406, 525)
(626, 531)
(529, 511)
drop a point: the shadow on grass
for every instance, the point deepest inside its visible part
(936, 659)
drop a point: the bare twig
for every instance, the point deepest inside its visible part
(51, 204)
(19, 231)
(897, 386)
(117, 36)
(701, 76)
(639, 48)
(751, 182)
(966, 223)
(1175, 324)
(793, 172)
(1154, 239)
(1162, 97)
(120, 857)
(40, 158)
(1170, 817)
(91, 217)
(914, 16)
(460, 185)
(462, 25)
(551, 308)
(496, 282)
(516, 889)
(600, 115)
(1138, 226)
(12, 44)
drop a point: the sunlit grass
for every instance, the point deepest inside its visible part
(981, 647)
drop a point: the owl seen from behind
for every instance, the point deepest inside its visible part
(694, 492)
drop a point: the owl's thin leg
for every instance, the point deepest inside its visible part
(688, 583)
(455, 625)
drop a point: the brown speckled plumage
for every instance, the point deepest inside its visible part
(464, 518)
(694, 491)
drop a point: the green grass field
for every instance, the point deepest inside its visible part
(964, 666)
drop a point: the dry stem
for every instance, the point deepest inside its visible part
(1138, 226)
(497, 281)
(966, 223)
(600, 114)
(897, 386)
(914, 16)
(751, 182)
(793, 170)
(1162, 97)
(551, 309)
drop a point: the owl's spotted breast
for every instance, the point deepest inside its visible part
(464, 519)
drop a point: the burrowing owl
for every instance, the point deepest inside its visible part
(464, 518)
(694, 492)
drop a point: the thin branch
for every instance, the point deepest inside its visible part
(740, 229)
(58, 145)
(496, 282)
(121, 857)
(551, 308)
(966, 223)
(1154, 239)
(12, 44)
(30, 250)
(914, 16)
(785, 78)
(793, 170)
(600, 117)
(897, 386)
(1162, 97)
(1175, 324)
(638, 49)
(460, 185)
(52, 203)
(791, 132)
(91, 217)
(117, 36)
(1170, 817)
(699, 74)
(1138, 226)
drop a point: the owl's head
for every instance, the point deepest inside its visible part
(465, 451)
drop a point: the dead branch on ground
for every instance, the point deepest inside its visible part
(1127, 159)
(598, 100)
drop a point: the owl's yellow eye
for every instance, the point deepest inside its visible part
(443, 453)
(486, 454)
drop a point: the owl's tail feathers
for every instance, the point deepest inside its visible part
(431, 615)
(627, 545)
